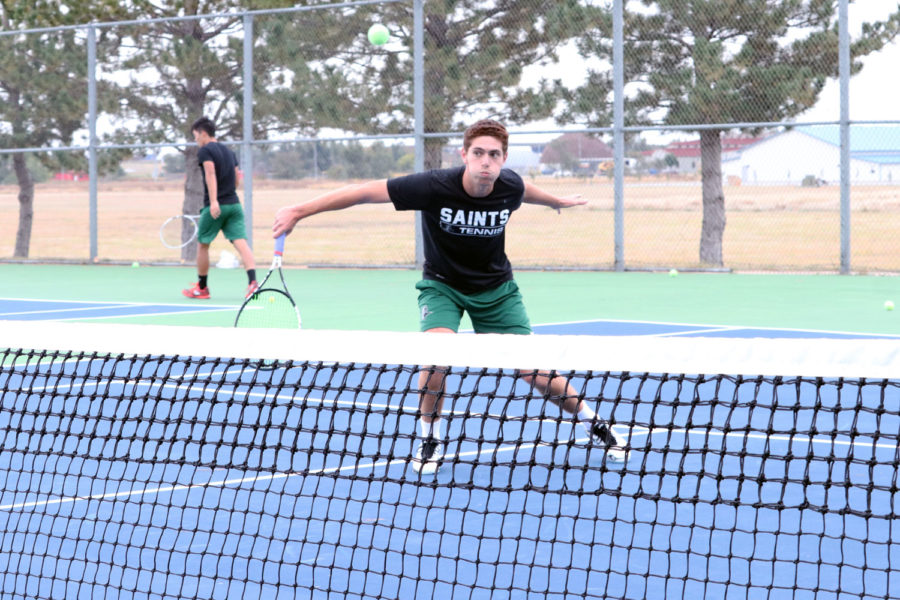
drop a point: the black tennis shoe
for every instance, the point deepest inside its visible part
(604, 437)
(428, 457)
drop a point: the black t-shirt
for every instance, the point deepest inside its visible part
(225, 162)
(464, 236)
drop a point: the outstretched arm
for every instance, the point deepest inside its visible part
(535, 195)
(345, 197)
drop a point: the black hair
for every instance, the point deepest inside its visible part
(204, 124)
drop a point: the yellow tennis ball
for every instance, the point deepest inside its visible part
(673, 272)
(135, 264)
(271, 299)
(888, 305)
(379, 34)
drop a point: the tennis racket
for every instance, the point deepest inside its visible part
(270, 306)
(179, 231)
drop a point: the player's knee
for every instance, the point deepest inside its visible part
(531, 376)
(432, 378)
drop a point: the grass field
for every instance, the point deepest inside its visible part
(769, 227)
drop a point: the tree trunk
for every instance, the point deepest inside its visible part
(713, 228)
(433, 153)
(26, 206)
(196, 99)
(193, 199)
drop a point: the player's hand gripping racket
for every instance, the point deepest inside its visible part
(270, 307)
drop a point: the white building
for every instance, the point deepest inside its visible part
(813, 152)
(524, 160)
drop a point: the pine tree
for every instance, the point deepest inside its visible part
(315, 70)
(35, 68)
(707, 62)
(475, 56)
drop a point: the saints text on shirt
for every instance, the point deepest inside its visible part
(483, 223)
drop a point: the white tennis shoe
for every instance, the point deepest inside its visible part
(428, 457)
(605, 437)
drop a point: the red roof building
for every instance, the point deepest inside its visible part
(688, 152)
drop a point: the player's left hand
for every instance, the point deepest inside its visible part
(570, 201)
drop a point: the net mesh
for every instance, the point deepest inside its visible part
(185, 474)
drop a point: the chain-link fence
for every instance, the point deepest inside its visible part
(687, 131)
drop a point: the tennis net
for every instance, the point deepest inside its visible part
(152, 462)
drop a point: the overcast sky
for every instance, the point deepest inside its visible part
(872, 91)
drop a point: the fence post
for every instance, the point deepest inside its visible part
(92, 139)
(246, 145)
(844, 72)
(618, 135)
(419, 111)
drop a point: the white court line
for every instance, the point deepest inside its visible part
(696, 331)
(698, 327)
(62, 310)
(207, 308)
(99, 308)
(162, 314)
(118, 302)
(634, 431)
(798, 438)
(237, 481)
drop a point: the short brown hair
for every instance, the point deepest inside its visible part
(487, 127)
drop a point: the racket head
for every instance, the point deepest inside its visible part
(268, 309)
(178, 231)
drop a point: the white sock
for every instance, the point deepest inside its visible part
(432, 429)
(587, 416)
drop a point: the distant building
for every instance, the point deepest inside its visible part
(70, 176)
(813, 154)
(524, 160)
(688, 152)
(576, 152)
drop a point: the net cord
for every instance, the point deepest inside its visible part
(830, 358)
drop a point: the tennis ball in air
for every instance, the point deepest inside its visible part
(673, 272)
(888, 305)
(135, 265)
(271, 299)
(379, 34)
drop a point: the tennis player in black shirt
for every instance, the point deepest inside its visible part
(465, 211)
(221, 208)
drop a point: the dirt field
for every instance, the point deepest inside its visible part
(769, 227)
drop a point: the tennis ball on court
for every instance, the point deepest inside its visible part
(888, 305)
(379, 34)
(673, 272)
(135, 265)
(271, 299)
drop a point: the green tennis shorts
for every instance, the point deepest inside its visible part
(498, 310)
(230, 222)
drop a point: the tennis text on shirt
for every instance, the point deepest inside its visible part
(464, 237)
(474, 222)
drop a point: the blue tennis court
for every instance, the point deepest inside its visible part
(206, 478)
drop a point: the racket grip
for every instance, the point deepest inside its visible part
(279, 245)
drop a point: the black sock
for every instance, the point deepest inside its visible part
(202, 284)
(251, 275)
